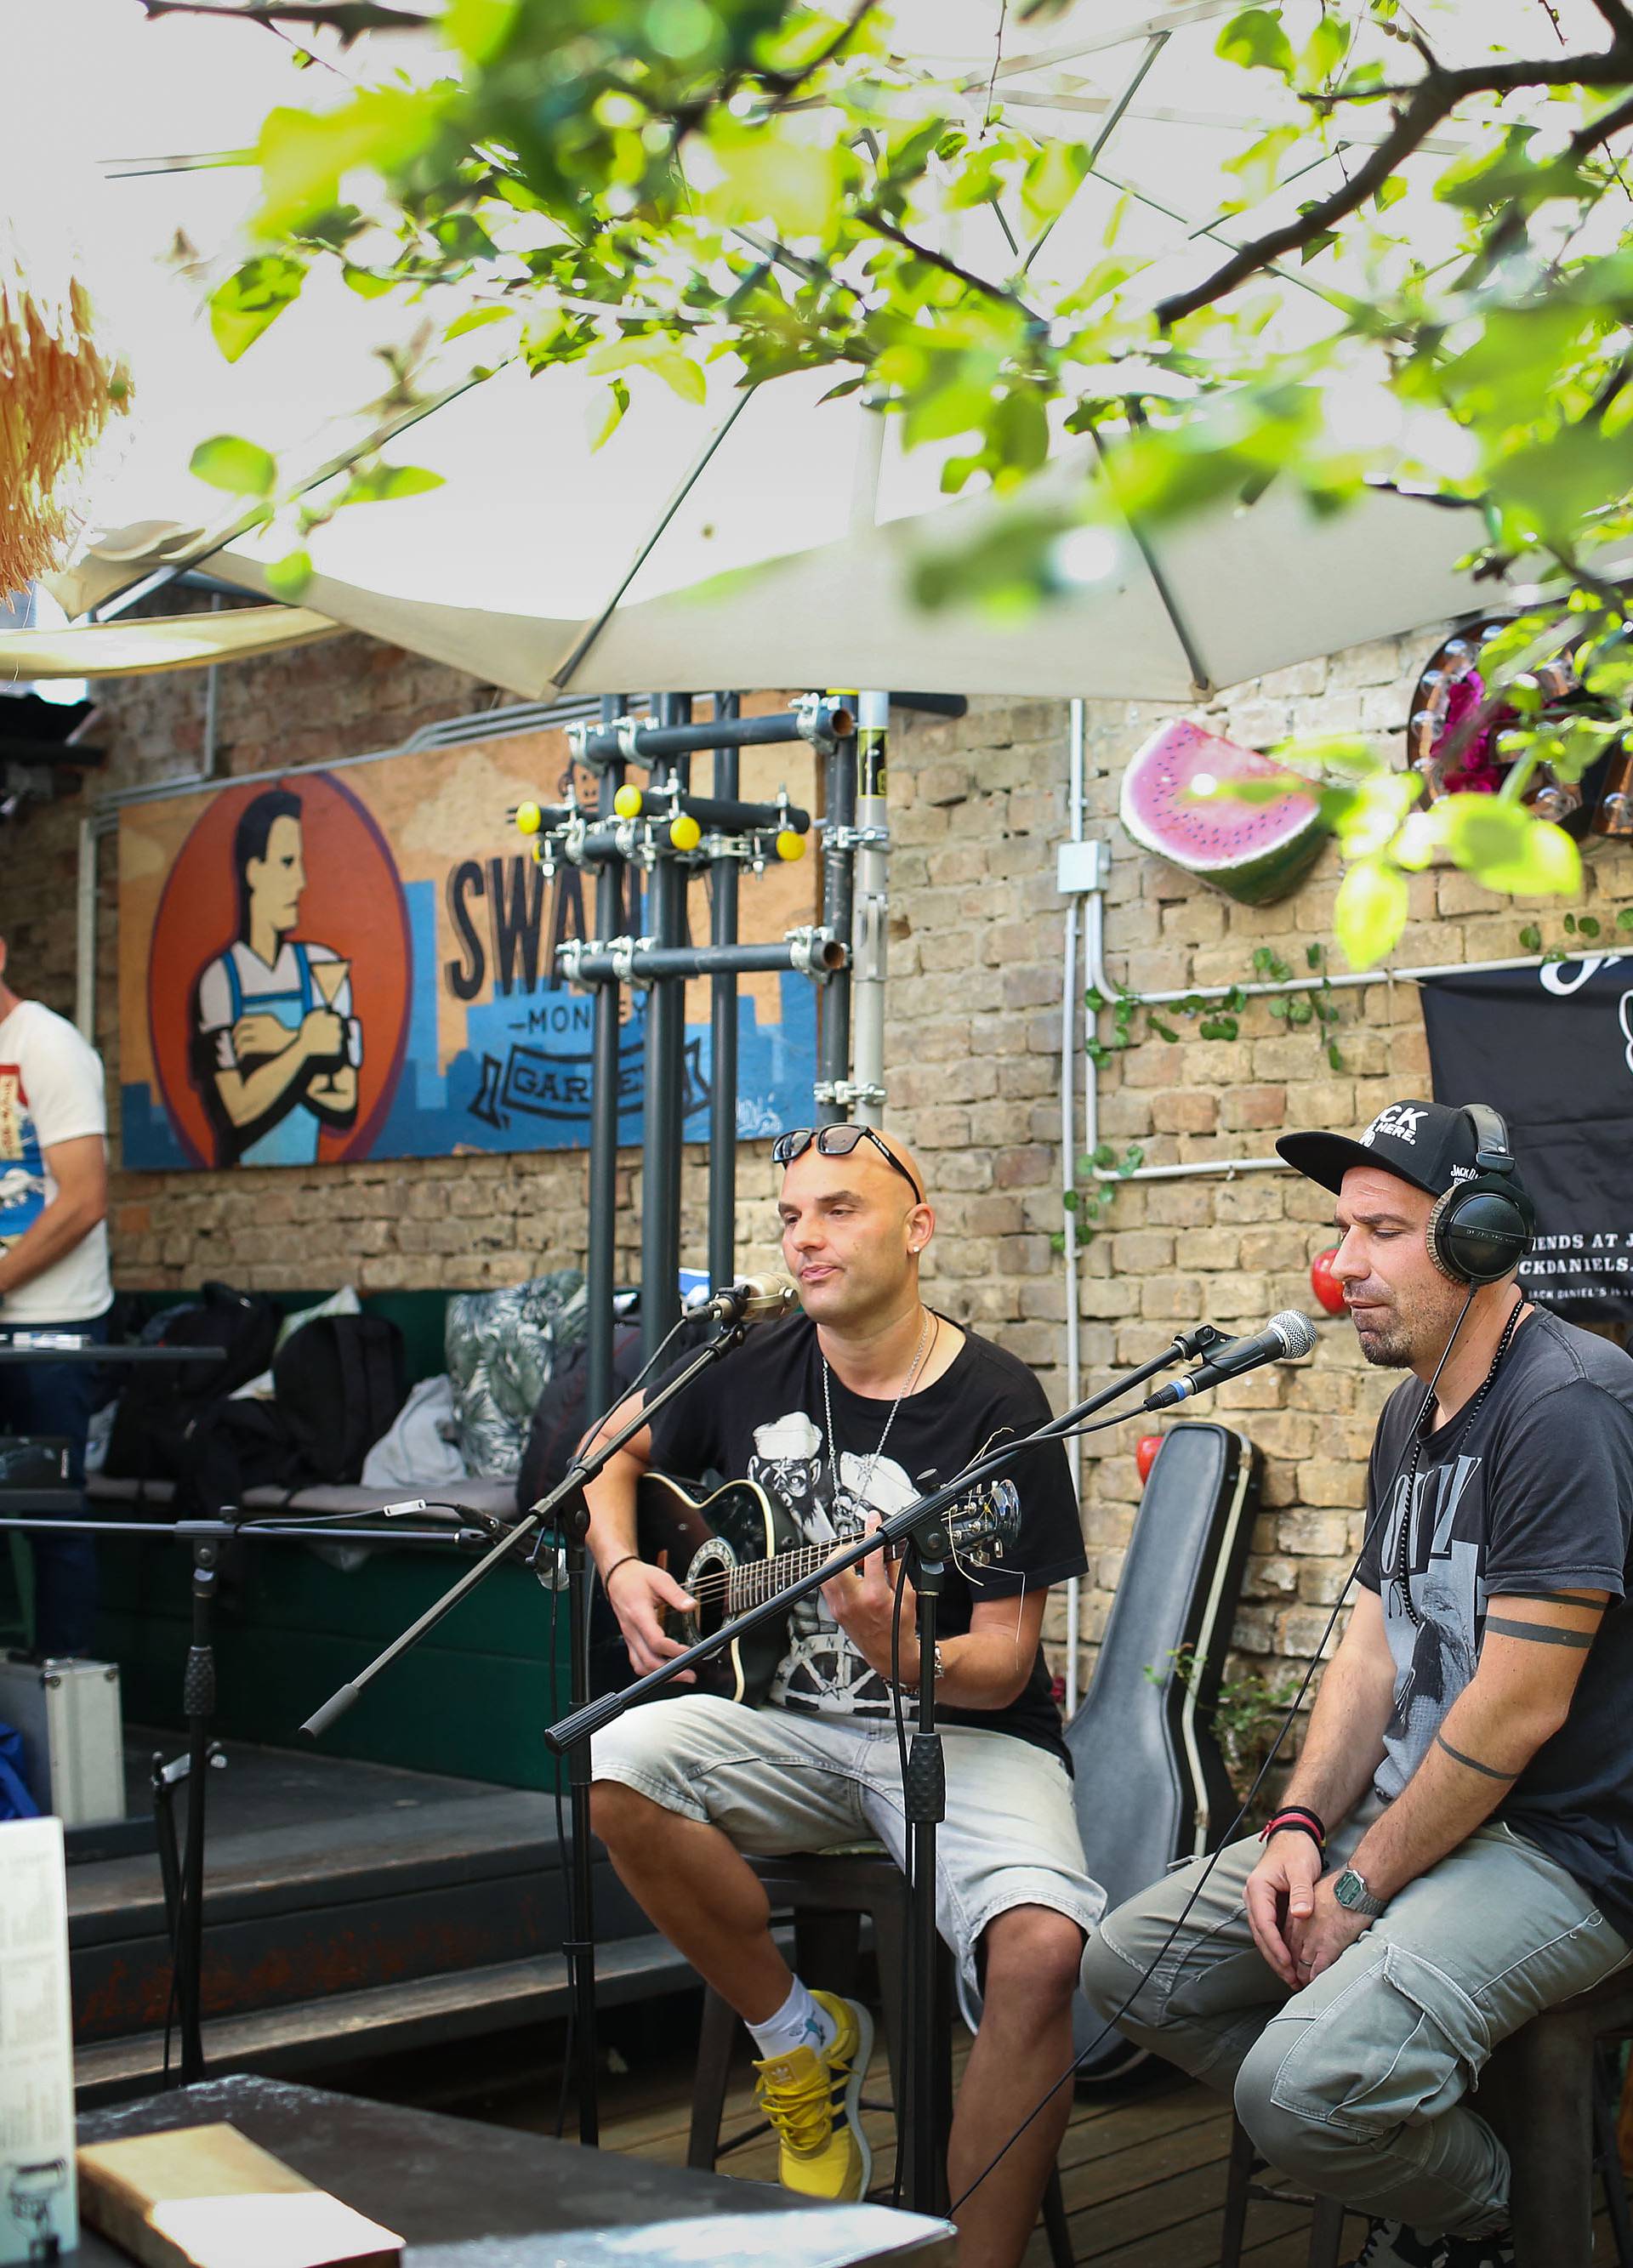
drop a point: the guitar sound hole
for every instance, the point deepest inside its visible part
(707, 1579)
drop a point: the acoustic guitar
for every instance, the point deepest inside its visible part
(731, 1549)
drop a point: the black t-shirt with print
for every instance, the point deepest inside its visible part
(1535, 1495)
(760, 1417)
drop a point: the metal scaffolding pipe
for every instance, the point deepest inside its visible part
(635, 742)
(723, 1007)
(726, 812)
(628, 960)
(870, 936)
(665, 1067)
(838, 895)
(931, 704)
(601, 1266)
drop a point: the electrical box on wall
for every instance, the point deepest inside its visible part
(1080, 867)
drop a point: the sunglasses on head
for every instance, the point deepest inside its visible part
(838, 1142)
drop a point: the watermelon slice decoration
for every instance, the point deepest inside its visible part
(1255, 853)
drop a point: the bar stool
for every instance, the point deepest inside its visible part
(830, 1895)
(1551, 2091)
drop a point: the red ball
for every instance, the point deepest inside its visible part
(1325, 1285)
(1145, 1454)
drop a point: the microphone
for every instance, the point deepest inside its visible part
(752, 1299)
(1285, 1338)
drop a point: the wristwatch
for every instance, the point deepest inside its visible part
(1352, 1893)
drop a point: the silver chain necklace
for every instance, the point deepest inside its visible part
(866, 1482)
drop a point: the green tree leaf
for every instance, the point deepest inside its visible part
(1370, 911)
(252, 297)
(228, 462)
(1502, 846)
(288, 578)
(1256, 40)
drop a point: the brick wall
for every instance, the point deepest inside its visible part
(974, 1035)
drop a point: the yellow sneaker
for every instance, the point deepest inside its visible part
(813, 2102)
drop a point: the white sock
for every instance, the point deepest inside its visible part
(799, 2023)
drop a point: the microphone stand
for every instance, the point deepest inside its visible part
(920, 1526)
(565, 1511)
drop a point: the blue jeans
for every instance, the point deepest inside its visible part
(56, 1398)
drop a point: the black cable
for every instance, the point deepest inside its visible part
(563, 1866)
(904, 1981)
(1246, 1805)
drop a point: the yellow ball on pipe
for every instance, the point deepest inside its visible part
(790, 846)
(529, 818)
(627, 803)
(684, 832)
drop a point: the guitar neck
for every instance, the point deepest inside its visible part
(752, 1584)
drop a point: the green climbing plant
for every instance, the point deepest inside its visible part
(1244, 1713)
(1219, 1017)
(1581, 929)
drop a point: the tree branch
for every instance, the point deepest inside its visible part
(350, 18)
(1431, 103)
(875, 219)
(1431, 100)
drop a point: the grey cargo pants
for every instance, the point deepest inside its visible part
(1355, 2084)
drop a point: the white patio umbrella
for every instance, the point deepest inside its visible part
(759, 537)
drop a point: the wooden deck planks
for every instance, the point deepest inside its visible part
(1143, 2172)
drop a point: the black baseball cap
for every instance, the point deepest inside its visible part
(1430, 1144)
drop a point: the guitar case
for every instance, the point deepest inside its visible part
(1151, 1781)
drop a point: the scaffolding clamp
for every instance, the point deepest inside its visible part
(824, 721)
(846, 1094)
(621, 951)
(815, 951)
(854, 838)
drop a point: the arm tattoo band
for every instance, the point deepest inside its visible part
(1540, 1633)
(1457, 1757)
(1561, 1598)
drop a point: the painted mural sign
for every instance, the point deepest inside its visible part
(361, 963)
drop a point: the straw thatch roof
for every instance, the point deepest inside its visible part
(58, 387)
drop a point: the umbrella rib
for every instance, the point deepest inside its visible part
(120, 601)
(1188, 646)
(561, 677)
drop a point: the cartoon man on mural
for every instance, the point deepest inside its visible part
(277, 1046)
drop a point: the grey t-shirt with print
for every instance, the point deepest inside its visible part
(1536, 1494)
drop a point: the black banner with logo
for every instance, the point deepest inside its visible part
(1552, 1048)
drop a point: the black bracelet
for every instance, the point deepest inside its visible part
(609, 1572)
(1302, 1811)
(1292, 1826)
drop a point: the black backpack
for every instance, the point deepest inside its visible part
(161, 1404)
(340, 1381)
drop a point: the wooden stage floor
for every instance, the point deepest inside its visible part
(1143, 2166)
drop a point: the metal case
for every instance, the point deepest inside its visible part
(72, 1725)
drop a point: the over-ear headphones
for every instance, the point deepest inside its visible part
(1480, 1229)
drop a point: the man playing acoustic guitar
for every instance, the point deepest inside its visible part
(865, 1400)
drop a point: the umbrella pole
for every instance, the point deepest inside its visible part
(723, 1031)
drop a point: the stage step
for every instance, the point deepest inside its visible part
(328, 1882)
(277, 2042)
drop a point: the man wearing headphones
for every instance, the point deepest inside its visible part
(1455, 1850)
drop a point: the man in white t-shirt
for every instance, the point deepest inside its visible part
(53, 1274)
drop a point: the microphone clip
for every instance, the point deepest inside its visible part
(1200, 1339)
